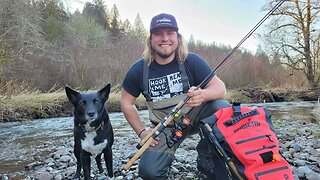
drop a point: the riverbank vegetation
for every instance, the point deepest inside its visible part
(44, 46)
(34, 104)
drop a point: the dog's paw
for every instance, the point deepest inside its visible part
(110, 178)
(76, 177)
(103, 176)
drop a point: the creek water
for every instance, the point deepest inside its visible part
(23, 142)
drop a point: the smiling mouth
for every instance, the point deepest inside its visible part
(165, 45)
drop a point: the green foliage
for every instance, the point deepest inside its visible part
(139, 30)
(4, 55)
(89, 32)
(54, 18)
(115, 23)
(97, 13)
(127, 26)
(46, 45)
(31, 105)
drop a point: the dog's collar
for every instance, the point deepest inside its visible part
(96, 129)
(99, 127)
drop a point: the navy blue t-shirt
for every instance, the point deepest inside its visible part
(165, 80)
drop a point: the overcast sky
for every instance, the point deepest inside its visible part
(225, 22)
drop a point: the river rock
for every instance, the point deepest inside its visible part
(44, 176)
(312, 176)
(296, 147)
(298, 141)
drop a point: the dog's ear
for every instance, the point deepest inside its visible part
(71, 94)
(105, 92)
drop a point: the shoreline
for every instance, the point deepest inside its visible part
(37, 105)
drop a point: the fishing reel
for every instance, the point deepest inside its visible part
(177, 132)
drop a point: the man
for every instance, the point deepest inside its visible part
(167, 74)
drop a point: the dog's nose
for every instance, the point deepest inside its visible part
(91, 114)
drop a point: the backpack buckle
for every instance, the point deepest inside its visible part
(236, 109)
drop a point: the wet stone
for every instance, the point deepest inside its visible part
(296, 147)
(301, 151)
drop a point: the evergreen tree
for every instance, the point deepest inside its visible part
(98, 13)
(139, 29)
(128, 29)
(115, 23)
(54, 19)
(262, 56)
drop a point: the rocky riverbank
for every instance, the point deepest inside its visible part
(299, 142)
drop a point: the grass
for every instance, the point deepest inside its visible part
(32, 104)
(237, 96)
(114, 102)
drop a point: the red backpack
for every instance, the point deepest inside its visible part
(247, 136)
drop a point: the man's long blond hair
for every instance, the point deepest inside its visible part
(181, 52)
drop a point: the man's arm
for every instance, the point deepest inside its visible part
(130, 111)
(215, 89)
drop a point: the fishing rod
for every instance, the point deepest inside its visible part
(145, 143)
(221, 151)
(207, 79)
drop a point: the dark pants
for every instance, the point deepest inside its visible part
(155, 162)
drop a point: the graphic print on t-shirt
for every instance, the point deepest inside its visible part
(165, 86)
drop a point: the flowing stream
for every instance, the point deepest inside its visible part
(23, 142)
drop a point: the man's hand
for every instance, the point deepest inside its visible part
(196, 97)
(145, 133)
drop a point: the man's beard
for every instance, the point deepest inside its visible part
(164, 56)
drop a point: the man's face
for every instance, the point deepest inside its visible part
(164, 41)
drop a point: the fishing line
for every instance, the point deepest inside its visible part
(159, 128)
(208, 78)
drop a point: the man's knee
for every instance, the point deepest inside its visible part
(146, 173)
(155, 165)
(217, 104)
(211, 107)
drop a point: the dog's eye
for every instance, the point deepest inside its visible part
(83, 103)
(96, 101)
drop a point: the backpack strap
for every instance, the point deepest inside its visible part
(184, 77)
(236, 108)
(237, 116)
(145, 80)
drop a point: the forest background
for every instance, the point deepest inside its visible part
(44, 47)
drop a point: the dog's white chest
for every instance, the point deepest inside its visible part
(88, 144)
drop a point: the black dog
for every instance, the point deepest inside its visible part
(93, 134)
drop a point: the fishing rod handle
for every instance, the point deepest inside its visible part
(145, 139)
(138, 154)
(234, 169)
(206, 125)
(165, 121)
(148, 140)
